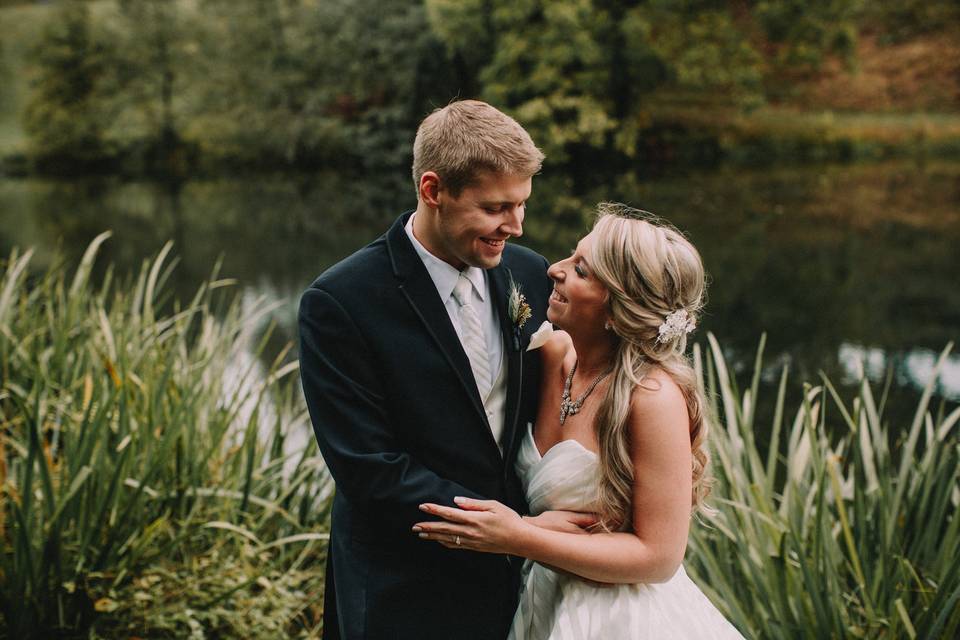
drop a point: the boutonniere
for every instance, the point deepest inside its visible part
(518, 310)
(517, 307)
(540, 336)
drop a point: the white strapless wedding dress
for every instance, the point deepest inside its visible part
(557, 606)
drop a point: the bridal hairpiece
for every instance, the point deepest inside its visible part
(677, 324)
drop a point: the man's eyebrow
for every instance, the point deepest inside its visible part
(498, 202)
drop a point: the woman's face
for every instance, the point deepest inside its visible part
(579, 301)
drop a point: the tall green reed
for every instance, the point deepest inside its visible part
(843, 526)
(136, 431)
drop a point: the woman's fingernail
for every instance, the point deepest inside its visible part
(417, 528)
(458, 499)
(424, 507)
(422, 535)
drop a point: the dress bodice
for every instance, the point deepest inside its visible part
(564, 478)
(559, 606)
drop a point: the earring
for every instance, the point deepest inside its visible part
(607, 325)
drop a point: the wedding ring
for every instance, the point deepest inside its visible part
(458, 541)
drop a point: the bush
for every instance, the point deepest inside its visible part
(851, 531)
(146, 483)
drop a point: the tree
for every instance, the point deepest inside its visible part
(151, 48)
(582, 75)
(63, 116)
(798, 35)
(306, 82)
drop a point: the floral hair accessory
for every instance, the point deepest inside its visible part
(677, 324)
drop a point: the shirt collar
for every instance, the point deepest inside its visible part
(443, 275)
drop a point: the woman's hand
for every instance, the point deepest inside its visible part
(478, 525)
(564, 521)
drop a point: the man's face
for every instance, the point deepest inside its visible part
(473, 227)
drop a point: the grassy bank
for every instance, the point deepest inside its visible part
(766, 135)
(147, 489)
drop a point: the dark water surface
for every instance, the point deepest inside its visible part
(842, 266)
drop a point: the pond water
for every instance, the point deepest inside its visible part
(845, 268)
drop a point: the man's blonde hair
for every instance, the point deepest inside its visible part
(467, 137)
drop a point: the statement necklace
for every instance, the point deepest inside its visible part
(570, 407)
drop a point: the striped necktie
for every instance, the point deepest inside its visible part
(472, 336)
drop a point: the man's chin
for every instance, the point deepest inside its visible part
(485, 262)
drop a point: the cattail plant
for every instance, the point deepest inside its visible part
(845, 526)
(124, 455)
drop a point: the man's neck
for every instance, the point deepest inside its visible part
(423, 231)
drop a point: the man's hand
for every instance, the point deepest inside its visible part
(564, 521)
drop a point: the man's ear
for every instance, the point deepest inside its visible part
(430, 189)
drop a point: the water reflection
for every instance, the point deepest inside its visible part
(836, 264)
(915, 367)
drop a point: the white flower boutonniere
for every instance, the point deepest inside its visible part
(517, 306)
(540, 336)
(518, 310)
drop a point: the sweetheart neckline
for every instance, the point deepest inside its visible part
(542, 456)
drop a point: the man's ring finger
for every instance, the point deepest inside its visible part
(457, 541)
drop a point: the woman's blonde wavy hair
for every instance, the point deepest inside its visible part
(650, 270)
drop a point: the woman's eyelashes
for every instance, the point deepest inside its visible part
(579, 270)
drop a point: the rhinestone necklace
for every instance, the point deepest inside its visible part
(570, 407)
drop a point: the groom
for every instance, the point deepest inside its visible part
(415, 375)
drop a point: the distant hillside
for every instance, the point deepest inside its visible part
(919, 74)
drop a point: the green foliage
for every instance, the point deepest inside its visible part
(722, 61)
(146, 488)
(262, 83)
(901, 19)
(174, 86)
(804, 32)
(151, 59)
(64, 116)
(551, 69)
(842, 526)
(582, 74)
(138, 438)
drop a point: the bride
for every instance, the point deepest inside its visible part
(620, 434)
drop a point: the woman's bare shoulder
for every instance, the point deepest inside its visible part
(657, 402)
(556, 348)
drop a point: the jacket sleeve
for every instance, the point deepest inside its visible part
(352, 422)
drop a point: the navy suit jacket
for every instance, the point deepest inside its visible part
(399, 422)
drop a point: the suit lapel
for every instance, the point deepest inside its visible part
(418, 288)
(499, 288)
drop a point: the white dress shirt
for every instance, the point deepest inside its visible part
(445, 279)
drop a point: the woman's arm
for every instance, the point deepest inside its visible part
(651, 552)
